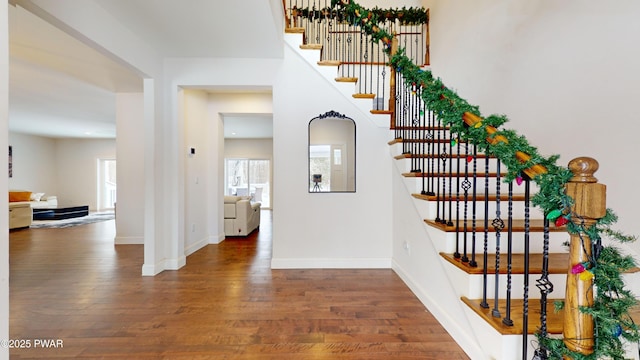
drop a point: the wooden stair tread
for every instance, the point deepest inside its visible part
(347, 79)
(554, 318)
(294, 30)
(558, 263)
(535, 225)
(364, 96)
(479, 197)
(329, 63)
(381, 112)
(311, 46)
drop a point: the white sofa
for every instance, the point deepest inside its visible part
(21, 212)
(20, 215)
(241, 216)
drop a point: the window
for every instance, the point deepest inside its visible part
(249, 177)
(106, 184)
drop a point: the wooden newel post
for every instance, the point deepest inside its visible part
(589, 206)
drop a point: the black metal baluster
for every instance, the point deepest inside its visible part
(370, 65)
(507, 317)
(415, 148)
(363, 58)
(405, 122)
(336, 39)
(466, 186)
(485, 254)
(544, 285)
(398, 99)
(443, 157)
(316, 19)
(525, 293)
(417, 45)
(451, 140)
(474, 199)
(437, 159)
(498, 225)
(425, 139)
(457, 253)
(307, 22)
(349, 54)
(379, 94)
(430, 154)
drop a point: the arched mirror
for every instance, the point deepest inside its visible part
(332, 153)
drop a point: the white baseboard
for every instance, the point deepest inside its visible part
(165, 264)
(175, 264)
(461, 335)
(195, 247)
(217, 239)
(128, 240)
(315, 263)
(152, 269)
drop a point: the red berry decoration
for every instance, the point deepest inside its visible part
(562, 220)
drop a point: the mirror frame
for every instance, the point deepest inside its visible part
(331, 115)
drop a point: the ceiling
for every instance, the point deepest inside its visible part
(61, 88)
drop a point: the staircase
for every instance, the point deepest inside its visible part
(469, 244)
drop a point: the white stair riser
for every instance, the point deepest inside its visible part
(415, 185)
(446, 242)
(457, 210)
(435, 166)
(408, 164)
(470, 285)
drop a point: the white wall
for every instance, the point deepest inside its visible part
(314, 230)
(564, 72)
(130, 168)
(77, 169)
(34, 164)
(196, 120)
(248, 148)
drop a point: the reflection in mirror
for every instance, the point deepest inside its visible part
(332, 153)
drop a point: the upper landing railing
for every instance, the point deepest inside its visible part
(358, 55)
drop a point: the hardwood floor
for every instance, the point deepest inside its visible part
(73, 286)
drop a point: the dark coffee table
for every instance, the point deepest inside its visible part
(60, 212)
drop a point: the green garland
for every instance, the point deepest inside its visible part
(612, 302)
(404, 16)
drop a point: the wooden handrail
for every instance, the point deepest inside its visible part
(286, 16)
(473, 120)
